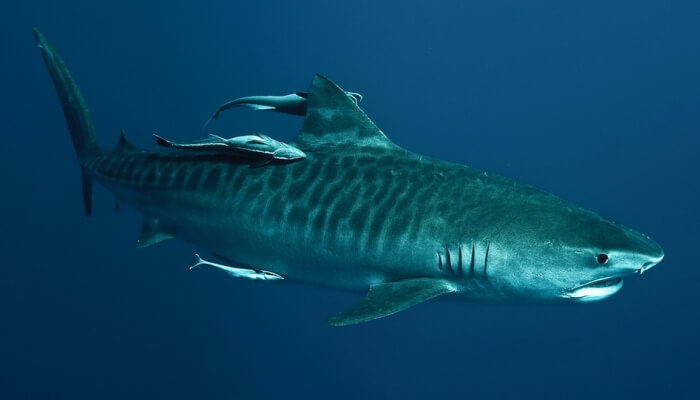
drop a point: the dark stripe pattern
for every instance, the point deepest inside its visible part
(368, 200)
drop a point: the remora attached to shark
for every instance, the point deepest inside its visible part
(361, 212)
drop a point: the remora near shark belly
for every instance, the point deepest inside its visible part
(361, 212)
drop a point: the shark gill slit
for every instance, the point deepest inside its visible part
(486, 259)
(459, 259)
(439, 261)
(448, 259)
(471, 263)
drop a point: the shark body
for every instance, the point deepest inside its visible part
(363, 213)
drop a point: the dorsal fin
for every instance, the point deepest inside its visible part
(124, 144)
(333, 117)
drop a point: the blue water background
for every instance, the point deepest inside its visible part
(595, 101)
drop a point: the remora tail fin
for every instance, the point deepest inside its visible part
(80, 124)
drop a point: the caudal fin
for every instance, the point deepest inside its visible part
(80, 124)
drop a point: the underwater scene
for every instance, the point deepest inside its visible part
(266, 200)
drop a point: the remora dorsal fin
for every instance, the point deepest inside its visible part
(333, 117)
(389, 298)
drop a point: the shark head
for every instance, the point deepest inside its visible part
(604, 254)
(569, 253)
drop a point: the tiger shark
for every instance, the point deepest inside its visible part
(361, 213)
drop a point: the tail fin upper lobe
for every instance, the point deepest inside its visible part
(80, 124)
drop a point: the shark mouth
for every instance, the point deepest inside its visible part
(594, 290)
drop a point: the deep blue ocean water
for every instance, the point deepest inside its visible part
(597, 102)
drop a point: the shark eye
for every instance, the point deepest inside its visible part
(602, 258)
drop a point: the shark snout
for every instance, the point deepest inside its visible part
(652, 254)
(655, 260)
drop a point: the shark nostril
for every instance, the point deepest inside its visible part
(647, 265)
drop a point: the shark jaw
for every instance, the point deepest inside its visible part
(596, 290)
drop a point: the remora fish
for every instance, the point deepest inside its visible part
(360, 212)
(260, 147)
(294, 104)
(248, 273)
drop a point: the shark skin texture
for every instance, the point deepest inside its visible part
(361, 213)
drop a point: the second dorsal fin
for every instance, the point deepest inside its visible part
(124, 144)
(333, 118)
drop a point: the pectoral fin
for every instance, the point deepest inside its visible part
(389, 298)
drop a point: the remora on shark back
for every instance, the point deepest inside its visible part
(294, 104)
(361, 212)
(259, 148)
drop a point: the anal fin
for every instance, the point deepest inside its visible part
(389, 298)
